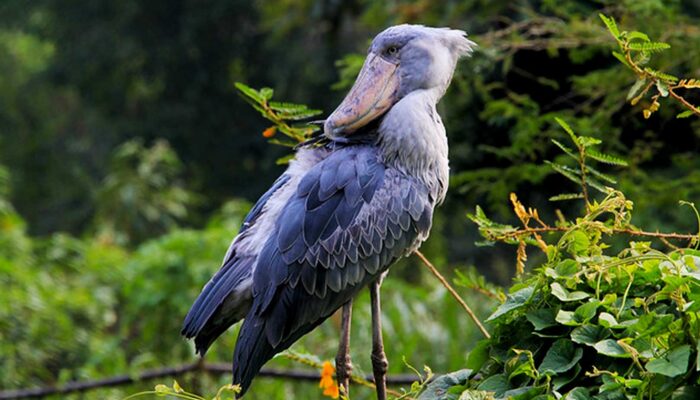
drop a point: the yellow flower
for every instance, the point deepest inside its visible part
(330, 388)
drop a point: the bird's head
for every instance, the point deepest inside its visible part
(400, 60)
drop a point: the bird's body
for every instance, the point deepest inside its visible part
(335, 221)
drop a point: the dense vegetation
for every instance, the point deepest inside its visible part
(127, 161)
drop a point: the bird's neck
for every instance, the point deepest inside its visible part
(413, 140)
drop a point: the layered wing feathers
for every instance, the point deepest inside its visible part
(349, 219)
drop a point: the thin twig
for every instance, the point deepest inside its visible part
(454, 293)
(213, 368)
(549, 229)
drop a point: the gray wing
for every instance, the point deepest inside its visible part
(208, 318)
(349, 219)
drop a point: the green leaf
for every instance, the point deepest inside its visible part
(587, 141)
(634, 35)
(607, 320)
(565, 149)
(566, 196)
(266, 93)
(662, 87)
(685, 114)
(589, 334)
(513, 301)
(611, 348)
(620, 58)
(564, 379)
(661, 75)
(542, 318)
(610, 24)
(567, 318)
(571, 174)
(579, 393)
(440, 385)
(577, 242)
(561, 357)
(586, 311)
(564, 295)
(249, 92)
(636, 88)
(600, 175)
(568, 129)
(672, 364)
(478, 355)
(597, 185)
(496, 383)
(649, 47)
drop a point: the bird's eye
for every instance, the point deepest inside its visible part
(392, 50)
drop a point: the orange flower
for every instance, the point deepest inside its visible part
(330, 388)
(269, 132)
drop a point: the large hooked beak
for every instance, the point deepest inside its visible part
(374, 92)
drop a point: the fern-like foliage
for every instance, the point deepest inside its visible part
(281, 114)
(636, 50)
(584, 154)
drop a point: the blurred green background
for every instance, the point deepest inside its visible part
(127, 162)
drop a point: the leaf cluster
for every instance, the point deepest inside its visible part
(281, 114)
(635, 51)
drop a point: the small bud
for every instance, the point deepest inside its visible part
(269, 132)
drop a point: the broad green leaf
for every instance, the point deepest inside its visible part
(542, 318)
(567, 318)
(577, 243)
(562, 379)
(586, 311)
(672, 364)
(495, 383)
(475, 395)
(564, 295)
(439, 386)
(513, 301)
(561, 357)
(689, 392)
(478, 355)
(589, 334)
(579, 393)
(607, 320)
(611, 348)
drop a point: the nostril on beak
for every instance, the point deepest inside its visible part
(329, 128)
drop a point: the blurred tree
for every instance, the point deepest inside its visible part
(141, 197)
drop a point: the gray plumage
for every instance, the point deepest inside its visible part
(339, 216)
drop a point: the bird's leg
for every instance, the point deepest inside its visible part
(343, 365)
(379, 361)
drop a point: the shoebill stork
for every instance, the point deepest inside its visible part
(346, 208)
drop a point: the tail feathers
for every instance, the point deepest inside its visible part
(223, 301)
(252, 352)
(253, 349)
